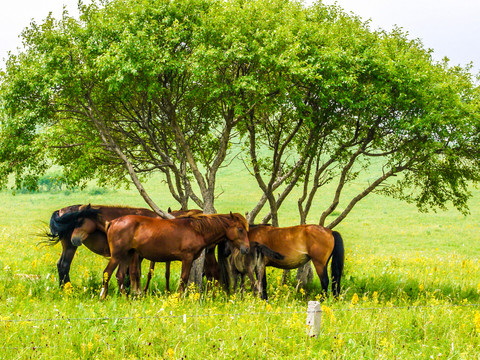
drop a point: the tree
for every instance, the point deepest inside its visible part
(366, 98)
(136, 87)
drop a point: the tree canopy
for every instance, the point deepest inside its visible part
(315, 96)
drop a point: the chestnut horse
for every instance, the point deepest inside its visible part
(163, 240)
(175, 213)
(301, 243)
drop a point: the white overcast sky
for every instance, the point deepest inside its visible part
(450, 27)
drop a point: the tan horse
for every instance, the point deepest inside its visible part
(299, 244)
(176, 213)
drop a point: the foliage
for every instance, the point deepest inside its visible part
(135, 87)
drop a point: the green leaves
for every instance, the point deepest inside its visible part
(169, 83)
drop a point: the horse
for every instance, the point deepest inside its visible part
(163, 240)
(250, 264)
(176, 213)
(85, 224)
(299, 244)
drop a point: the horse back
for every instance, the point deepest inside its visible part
(109, 213)
(155, 239)
(296, 243)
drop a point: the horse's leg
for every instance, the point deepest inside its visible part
(322, 274)
(135, 269)
(242, 283)
(264, 285)
(261, 283)
(234, 278)
(149, 276)
(107, 274)
(186, 267)
(122, 269)
(252, 279)
(167, 276)
(63, 265)
(324, 280)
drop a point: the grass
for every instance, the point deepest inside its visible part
(411, 290)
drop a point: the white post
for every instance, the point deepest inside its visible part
(314, 315)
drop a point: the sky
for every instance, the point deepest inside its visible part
(450, 27)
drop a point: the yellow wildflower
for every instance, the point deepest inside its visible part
(355, 299)
(170, 353)
(68, 288)
(476, 321)
(328, 312)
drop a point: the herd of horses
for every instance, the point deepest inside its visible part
(127, 235)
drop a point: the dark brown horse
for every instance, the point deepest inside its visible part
(251, 265)
(85, 224)
(169, 240)
(299, 244)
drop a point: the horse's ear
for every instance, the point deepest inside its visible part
(169, 210)
(231, 215)
(89, 206)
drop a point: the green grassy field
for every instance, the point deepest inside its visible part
(411, 290)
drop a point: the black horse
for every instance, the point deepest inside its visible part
(75, 225)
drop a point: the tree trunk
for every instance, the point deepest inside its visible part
(196, 273)
(304, 275)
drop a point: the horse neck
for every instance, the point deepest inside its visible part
(214, 232)
(239, 260)
(214, 237)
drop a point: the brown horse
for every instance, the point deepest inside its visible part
(169, 240)
(176, 213)
(299, 244)
(84, 224)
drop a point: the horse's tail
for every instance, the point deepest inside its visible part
(338, 260)
(265, 250)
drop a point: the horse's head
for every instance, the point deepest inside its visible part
(83, 228)
(85, 223)
(237, 232)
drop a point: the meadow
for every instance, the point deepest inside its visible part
(411, 289)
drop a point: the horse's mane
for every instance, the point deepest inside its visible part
(203, 223)
(184, 213)
(61, 226)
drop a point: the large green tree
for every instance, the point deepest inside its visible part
(137, 87)
(363, 97)
(134, 87)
